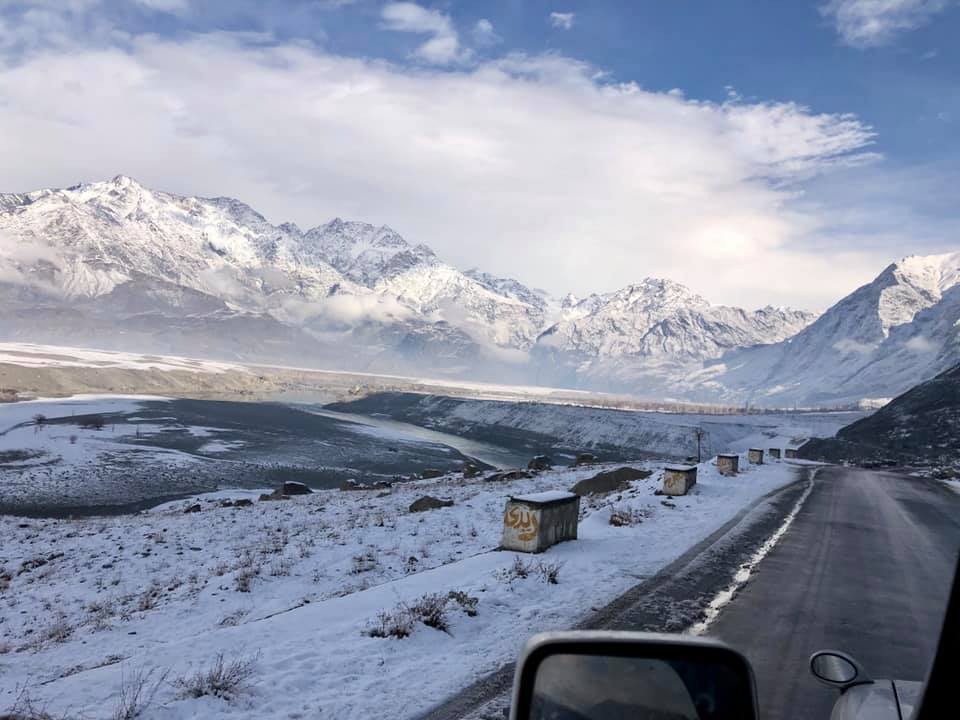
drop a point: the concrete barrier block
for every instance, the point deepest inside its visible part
(728, 464)
(755, 456)
(678, 479)
(790, 453)
(774, 453)
(532, 523)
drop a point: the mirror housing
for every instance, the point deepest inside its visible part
(696, 677)
(838, 670)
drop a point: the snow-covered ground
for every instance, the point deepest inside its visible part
(53, 456)
(604, 430)
(63, 456)
(34, 355)
(294, 586)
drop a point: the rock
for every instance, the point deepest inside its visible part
(584, 459)
(428, 502)
(348, 485)
(470, 470)
(507, 475)
(291, 487)
(275, 495)
(431, 473)
(243, 502)
(610, 481)
(539, 463)
(193, 508)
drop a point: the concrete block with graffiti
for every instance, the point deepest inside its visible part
(532, 523)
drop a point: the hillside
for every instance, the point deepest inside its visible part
(919, 426)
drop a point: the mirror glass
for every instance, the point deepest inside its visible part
(600, 687)
(833, 668)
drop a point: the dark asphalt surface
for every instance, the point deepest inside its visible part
(865, 568)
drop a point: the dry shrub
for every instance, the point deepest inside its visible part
(431, 610)
(26, 708)
(365, 562)
(137, 692)
(549, 572)
(150, 597)
(59, 630)
(628, 517)
(222, 679)
(467, 603)
(397, 623)
(234, 618)
(518, 570)
(248, 568)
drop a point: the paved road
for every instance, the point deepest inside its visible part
(866, 568)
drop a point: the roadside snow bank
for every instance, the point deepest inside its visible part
(295, 586)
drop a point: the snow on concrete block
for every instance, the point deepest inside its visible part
(790, 453)
(774, 453)
(532, 523)
(755, 456)
(678, 479)
(728, 464)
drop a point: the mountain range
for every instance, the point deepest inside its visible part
(117, 265)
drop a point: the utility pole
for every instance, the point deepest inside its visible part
(700, 433)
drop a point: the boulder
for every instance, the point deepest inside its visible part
(470, 470)
(428, 502)
(539, 463)
(584, 459)
(290, 487)
(275, 495)
(430, 473)
(609, 481)
(243, 502)
(193, 508)
(507, 475)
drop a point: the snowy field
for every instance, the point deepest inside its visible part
(65, 446)
(619, 432)
(90, 451)
(287, 593)
(33, 355)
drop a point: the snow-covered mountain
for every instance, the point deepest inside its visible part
(661, 318)
(883, 338)
(365, 253)
(118, 265)
(343, 282)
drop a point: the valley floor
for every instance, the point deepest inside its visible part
(290, 590)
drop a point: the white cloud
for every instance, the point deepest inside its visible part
(443, 47)
(872, 23)
(850, 346)
(525, 166)
(169, 6)
(484, 35)
(921, 345)
(561, 20)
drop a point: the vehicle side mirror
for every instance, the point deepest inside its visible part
(837, 669)
(593, 675)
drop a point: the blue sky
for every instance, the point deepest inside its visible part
(757, 151)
